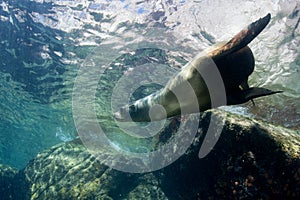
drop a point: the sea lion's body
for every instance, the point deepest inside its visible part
(235, 63)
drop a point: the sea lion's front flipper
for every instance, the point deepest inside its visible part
(244, 86)
(249, 94)
(256, 92)
(243, 38)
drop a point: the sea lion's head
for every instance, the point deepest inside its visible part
(133, 112)
(142, 110)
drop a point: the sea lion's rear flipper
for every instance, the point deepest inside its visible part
(249, 94)
(242, 39)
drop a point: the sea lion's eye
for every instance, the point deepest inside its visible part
(132, 108)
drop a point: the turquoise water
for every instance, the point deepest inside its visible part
(43, 44)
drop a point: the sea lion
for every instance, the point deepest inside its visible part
(235, 62)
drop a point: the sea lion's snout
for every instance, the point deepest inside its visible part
(118, 116)
(122, 115)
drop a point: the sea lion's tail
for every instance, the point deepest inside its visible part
(243, 38)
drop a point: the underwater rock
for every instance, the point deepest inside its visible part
(7, 175)
(251, 160)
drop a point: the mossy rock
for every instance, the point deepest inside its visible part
(69, 171)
